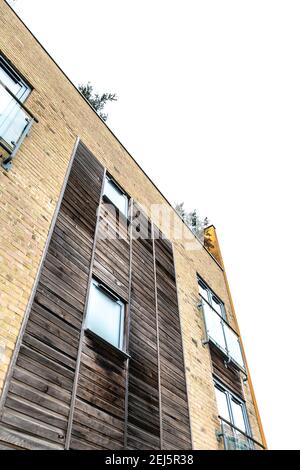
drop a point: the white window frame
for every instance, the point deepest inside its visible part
(227, 331)
(230, 395)
(15, 120)
(112, 182)
(210, 296)
(13, 74)
(107, 292)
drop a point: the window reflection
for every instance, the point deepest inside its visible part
(105, 315)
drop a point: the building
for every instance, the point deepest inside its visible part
(117, 329)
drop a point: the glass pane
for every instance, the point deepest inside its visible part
(116, 196)
(242, 442)
(222, 404)
(238, 416)
(13, 119)
(202, 290)
(12, 81)
(233, 344)
(234, 440)
(216, 305)
(105, 316)
(13, 85)
(213, 325)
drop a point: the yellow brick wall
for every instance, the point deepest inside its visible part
(29, 194)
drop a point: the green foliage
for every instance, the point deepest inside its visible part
(192, 219)
(96, 101)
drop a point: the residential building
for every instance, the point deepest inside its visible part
(117, 328)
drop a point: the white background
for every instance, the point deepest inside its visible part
(213, 86)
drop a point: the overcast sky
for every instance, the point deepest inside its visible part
(209, 105)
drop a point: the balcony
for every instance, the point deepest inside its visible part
(15, 123)
(222, 335)
(235, 439)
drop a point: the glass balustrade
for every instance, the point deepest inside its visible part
(233, 345)
(235, 439)
(220, 333)
(15, 123)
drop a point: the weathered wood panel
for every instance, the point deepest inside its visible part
(142, 401)
(37, 405)
(143, 430)
(99, 412)
(175, 414)
(112, 253)
(229, 374)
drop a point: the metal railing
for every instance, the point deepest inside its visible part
(222, 335)
(15, 123)
(235, 439)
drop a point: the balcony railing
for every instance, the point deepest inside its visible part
(235, 439)
(222, 335)
(15, 123)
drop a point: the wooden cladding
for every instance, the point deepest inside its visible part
(143, 428)
(99, 415)
(68, 389)
(36, 409)
(175, 413)
(112, 251)
(229, 374)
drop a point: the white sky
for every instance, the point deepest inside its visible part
(212, 87)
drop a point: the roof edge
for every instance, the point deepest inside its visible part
(120, 143)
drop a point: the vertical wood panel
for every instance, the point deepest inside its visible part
(143, 396)
(71, 390)
(37, 405)
(99, 411)
(175, 413)
(228, 374)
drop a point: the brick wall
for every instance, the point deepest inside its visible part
(29, 194)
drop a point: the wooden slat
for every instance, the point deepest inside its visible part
(143, 429)
(229, 374)
(37, 404)
(68, 387)
(175, 414)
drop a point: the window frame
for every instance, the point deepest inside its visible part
(210, 296)
(13, 130)
(123, 326)
(109, 178)
(226, 348)
(231, 395)
(10, 70)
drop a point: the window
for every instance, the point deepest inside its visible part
(15, 122)
(222, 404)
(105, 315)
(238, 413)
(12, 81)
(232, 408)
(115, 195)
(218, 330)
(203, 290)
(214, 302)
(235, 426)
